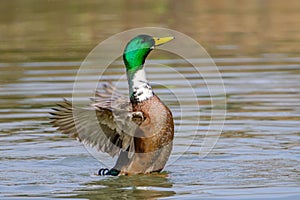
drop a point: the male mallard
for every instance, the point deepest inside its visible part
(143, 138)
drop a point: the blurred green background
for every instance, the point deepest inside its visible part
(54, 30)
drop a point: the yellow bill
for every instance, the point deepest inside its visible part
(163, 40)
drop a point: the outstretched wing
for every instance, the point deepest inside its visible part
(107, 124)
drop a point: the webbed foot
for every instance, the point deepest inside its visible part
(111, 172)
(103, 171)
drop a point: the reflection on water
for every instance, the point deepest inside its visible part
(136, 187)
(255, 45)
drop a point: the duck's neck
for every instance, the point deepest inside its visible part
(139, 88)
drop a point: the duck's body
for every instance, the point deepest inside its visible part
(153, 141)
(143, 137)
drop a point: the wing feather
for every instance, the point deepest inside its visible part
(106, 125)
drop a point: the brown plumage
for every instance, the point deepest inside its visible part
(141, 133)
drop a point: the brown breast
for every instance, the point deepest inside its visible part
(157, 130)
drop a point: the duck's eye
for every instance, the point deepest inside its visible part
(143, 40)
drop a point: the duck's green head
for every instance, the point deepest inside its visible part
(138, 49)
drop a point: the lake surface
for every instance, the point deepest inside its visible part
(256, 48)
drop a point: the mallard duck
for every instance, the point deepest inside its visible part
(143, 137)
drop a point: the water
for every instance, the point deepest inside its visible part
(257, 155)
